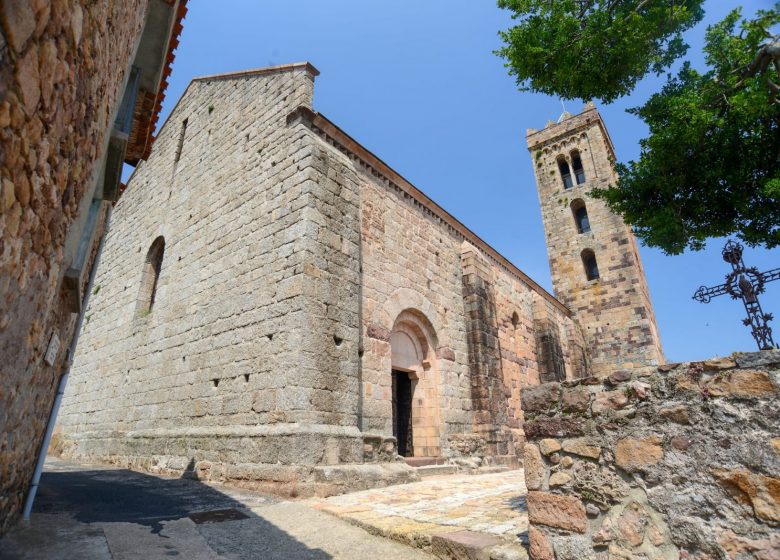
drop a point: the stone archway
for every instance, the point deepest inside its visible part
(415, 386)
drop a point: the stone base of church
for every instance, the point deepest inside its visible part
(290, 460)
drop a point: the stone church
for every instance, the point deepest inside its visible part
(277, 307)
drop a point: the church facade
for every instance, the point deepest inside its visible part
(277, 307)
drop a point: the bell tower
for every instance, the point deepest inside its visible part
(594, 260)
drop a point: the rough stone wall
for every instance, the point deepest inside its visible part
(615, 310)
(62, 68)
(246, 367)
(675, 461)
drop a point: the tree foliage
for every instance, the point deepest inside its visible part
(711, 163)
(594, 48)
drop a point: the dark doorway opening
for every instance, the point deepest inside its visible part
(402, 412)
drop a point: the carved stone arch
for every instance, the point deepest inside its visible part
(415, 384)
(403, 299)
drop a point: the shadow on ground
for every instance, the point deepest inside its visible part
(124, 514)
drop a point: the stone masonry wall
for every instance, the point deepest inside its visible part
(245, 369)
(62, 68)
(614, 310)
(675, 461)
(412, 261)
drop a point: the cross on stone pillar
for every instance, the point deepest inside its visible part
(746, 284)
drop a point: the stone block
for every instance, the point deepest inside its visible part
(575, 400)
(677, 413)
(632, 454)
(633, 523)
(582, 447)
(464, 545)
(549, 445)
(554, 427)
(541, 398)
(539, 545)
(747, 383)
(561, 512)
(609, 400)
(534, 467)
(759, 491)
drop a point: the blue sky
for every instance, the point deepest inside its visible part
(416, 83)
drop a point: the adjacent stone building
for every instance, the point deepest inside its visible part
(278, 307)
(81, 84)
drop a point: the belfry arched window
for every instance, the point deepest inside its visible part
(589, 262)
(580, 214)
(576, 163)
(563, 167)
(150, 276)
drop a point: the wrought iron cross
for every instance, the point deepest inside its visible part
(746, 284)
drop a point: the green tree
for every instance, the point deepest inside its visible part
(711, 163)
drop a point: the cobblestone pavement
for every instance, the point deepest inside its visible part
(89, 512)
(492, 504)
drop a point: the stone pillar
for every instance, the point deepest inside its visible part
(668, 462)
(488, 394)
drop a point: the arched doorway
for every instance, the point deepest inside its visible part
(415, 406)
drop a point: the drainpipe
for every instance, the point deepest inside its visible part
(36, 479)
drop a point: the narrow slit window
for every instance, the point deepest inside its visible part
(589, 262)
(150, 277)
(180, 145)
(579, 172)
(565, 173)
(580, 216)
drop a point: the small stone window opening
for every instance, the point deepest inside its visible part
(563, 167)
(180, 144)
(589, 262)
(579, 172)
(150, 277)
(580, 216)
(515, 319)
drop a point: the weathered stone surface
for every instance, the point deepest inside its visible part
(541, 397)
(534, 467)
(559, 478)
(741, 384)
(18, 23)
(606, 532)
(717, 364)
(760, 492)
(464, 545)
(28, 80)
(609, 400)
(676, 413)
(549, 445)
(582, 447)
(633, 523)
(738, 546)
(575, 400)
(563, 512)
(573, 548)
(680, 443)
(632, 454)
(554, 427)
(758, 359)
(539, 546)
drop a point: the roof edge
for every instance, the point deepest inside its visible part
(349, 144)
(308, 66)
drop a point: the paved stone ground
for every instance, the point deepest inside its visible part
(489, 505)
(87, 512)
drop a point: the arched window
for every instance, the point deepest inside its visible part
(589, 262)
(579, 172)
(565, 173)
(149, 277)
(580, 216)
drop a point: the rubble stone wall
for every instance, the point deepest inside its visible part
(675, 461)
(62, 67)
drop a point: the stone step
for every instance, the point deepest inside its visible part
(424, 461)
(435, 470)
